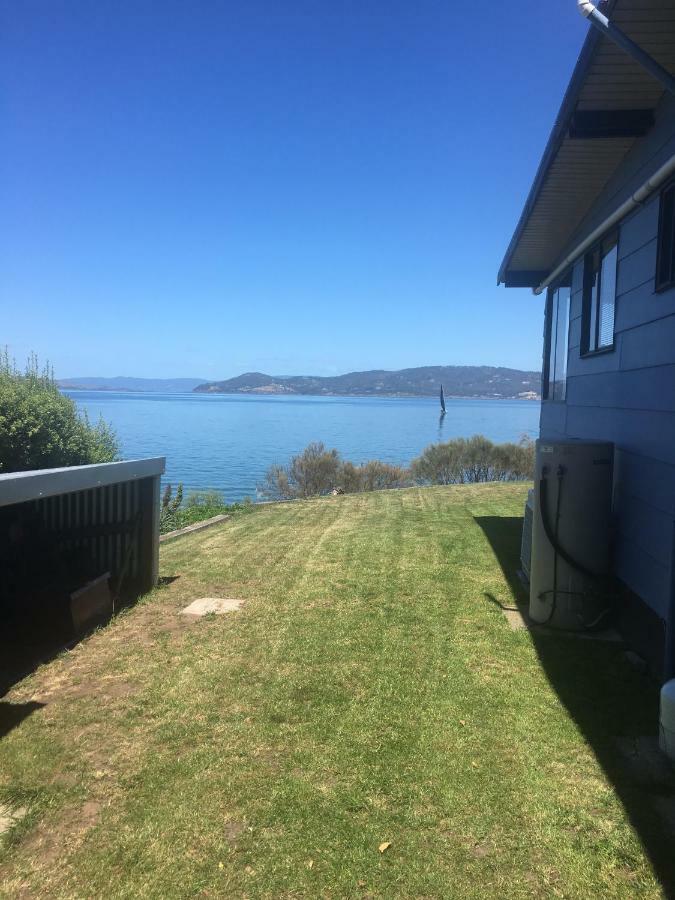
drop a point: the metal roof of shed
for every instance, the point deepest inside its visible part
(35, 484)
(574, 170)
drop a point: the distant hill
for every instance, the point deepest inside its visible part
(121, 383)
(457, 381)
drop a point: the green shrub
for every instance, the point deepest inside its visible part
(40, 427)
(475, 459)
(210, 498)
(177, 512)
(378, 476)
(318, 471)
(313, 472)
(440, 463)
(169, 509)
(350, 480)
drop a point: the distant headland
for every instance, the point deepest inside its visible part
(489, 382)
(478, 382)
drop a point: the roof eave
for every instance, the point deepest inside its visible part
(558, 132)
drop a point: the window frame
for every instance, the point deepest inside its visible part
(664, 285)
(551, 306)
(589, 303)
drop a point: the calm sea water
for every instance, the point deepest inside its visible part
(228, 441)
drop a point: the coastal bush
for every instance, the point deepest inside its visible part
(210, 498)
(170, 505)
(177, 511)
(377, 476)
(350, 481)
(318, 471)
(311, 473)
(472, 460)
(40, 428)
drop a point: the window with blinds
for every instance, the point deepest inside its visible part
(556, 343)
(600, 296)
(665, 260)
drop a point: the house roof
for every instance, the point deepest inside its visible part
(608, 105)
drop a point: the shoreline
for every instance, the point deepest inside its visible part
(274, 394)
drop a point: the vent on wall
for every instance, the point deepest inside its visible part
(526, 541)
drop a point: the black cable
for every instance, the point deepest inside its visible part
(553, 539)
(554, 544)
(559, 550)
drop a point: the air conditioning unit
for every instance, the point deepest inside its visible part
(571, 533)
(526, 540)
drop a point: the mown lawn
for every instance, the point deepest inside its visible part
(369, 691)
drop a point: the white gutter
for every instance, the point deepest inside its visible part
(651, 184)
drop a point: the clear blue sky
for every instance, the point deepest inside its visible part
(206, 188)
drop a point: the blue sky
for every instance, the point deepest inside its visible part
(207, 188)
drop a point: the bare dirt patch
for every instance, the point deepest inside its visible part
(9, 817)
(46, 843)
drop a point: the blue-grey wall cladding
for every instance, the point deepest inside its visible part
(627, 395)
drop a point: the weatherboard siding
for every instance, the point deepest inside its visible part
(627, 395)
(645, 156)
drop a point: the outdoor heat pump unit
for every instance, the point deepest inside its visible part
(526, 539)
(569, 585)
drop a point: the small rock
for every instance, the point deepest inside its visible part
(215, 605)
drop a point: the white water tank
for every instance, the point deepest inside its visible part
(571, 533)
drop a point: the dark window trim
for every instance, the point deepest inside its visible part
(660, 287)
(548, 329)
(564, 281)
(584, 349)
(610, 348)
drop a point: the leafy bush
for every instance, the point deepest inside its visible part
(313, 472)
(211, 499)
(40, 427)
(439, 463)
(168, 513)
(475, 459)
(318, 471)
(375, 475)
(178, 512)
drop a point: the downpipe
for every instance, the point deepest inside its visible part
(589, 11)
(602, 23)
(669, 656)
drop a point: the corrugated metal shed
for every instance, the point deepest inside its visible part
(574, 169)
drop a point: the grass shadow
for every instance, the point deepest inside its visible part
(614, 706)
(13, 714)
(30, 640)
(166, 580)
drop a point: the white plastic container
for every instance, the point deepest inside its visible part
(667, 719)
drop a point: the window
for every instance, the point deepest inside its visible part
(665, 260)
(600, 296)
(555, 343)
